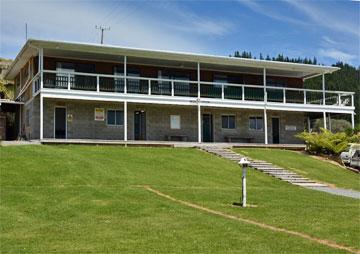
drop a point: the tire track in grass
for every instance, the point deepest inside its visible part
(325, 242)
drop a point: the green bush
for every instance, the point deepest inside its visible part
(326, 142)
(336, 125)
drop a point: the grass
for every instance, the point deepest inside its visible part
(307, 166)
(85, 199)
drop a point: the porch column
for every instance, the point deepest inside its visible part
(324, 115)
(41, 67)
(265, 127)
(265, 102)
(125, 121)
(308, 124)
(199, 123)
(353, 120)
(20, 115)
(198, 79)
(125, 74)
(323, 88)
(41, 116)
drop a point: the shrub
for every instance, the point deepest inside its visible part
(326, 142)
(336, 125)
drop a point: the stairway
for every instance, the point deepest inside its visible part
(264, 167)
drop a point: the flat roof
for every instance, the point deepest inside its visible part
(281, 68)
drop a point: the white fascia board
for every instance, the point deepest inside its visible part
(183, 56)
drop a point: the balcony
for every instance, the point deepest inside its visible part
(112, 84)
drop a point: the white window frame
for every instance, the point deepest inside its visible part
(176, 127)
(64, 71)
(256, 120)
(227, 115)
(114, 125)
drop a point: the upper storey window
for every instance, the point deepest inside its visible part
(275, 82)
(64, 67)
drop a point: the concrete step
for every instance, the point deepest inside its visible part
(298, 181)
(273, 171)
(293, 178)
(310, 184)
(285, 174)
(268, 168)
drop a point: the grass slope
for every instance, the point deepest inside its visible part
(306, 166)
(84, 199)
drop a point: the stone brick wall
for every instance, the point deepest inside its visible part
(31, 130)
(83, 125)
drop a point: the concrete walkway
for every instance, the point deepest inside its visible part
(338, 191)
(281, 173)
(19, 143)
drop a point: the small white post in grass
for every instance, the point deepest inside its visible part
(244, 163)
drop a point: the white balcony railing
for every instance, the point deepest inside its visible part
(169, 87)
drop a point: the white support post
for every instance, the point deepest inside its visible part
(149, 86)
(264, 82)
(324, 115)
(243, 93)
(125, 75)
(41, 67)
(68, 84)
(352, 101)
(284, 95)
(222, 92)
(323, 88)
(125, 121)
(198, 79)
(265, 113)
(20, 116)
(41, 116)
(172, 88)
(352, 120)
(304, 96)
(199, 123)
(339, 99)
(97, 83)
(265, 127)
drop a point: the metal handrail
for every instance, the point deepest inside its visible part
(194, 82)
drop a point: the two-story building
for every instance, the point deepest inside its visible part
(90, 91)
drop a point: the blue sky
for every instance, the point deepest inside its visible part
(328, 30)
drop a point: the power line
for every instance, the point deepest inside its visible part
(102, 29)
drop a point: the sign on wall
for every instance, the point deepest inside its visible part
(99, 114)
(69, 117)
(290, 127)
(174, 122)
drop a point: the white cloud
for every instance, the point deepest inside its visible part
(266, 11)
(329, 40)
(331, 20)
(337, 55)
(132, 24)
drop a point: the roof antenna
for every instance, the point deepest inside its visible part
(26, 32)
(102, 28)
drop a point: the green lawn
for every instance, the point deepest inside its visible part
(306, 166)
(85, 199)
